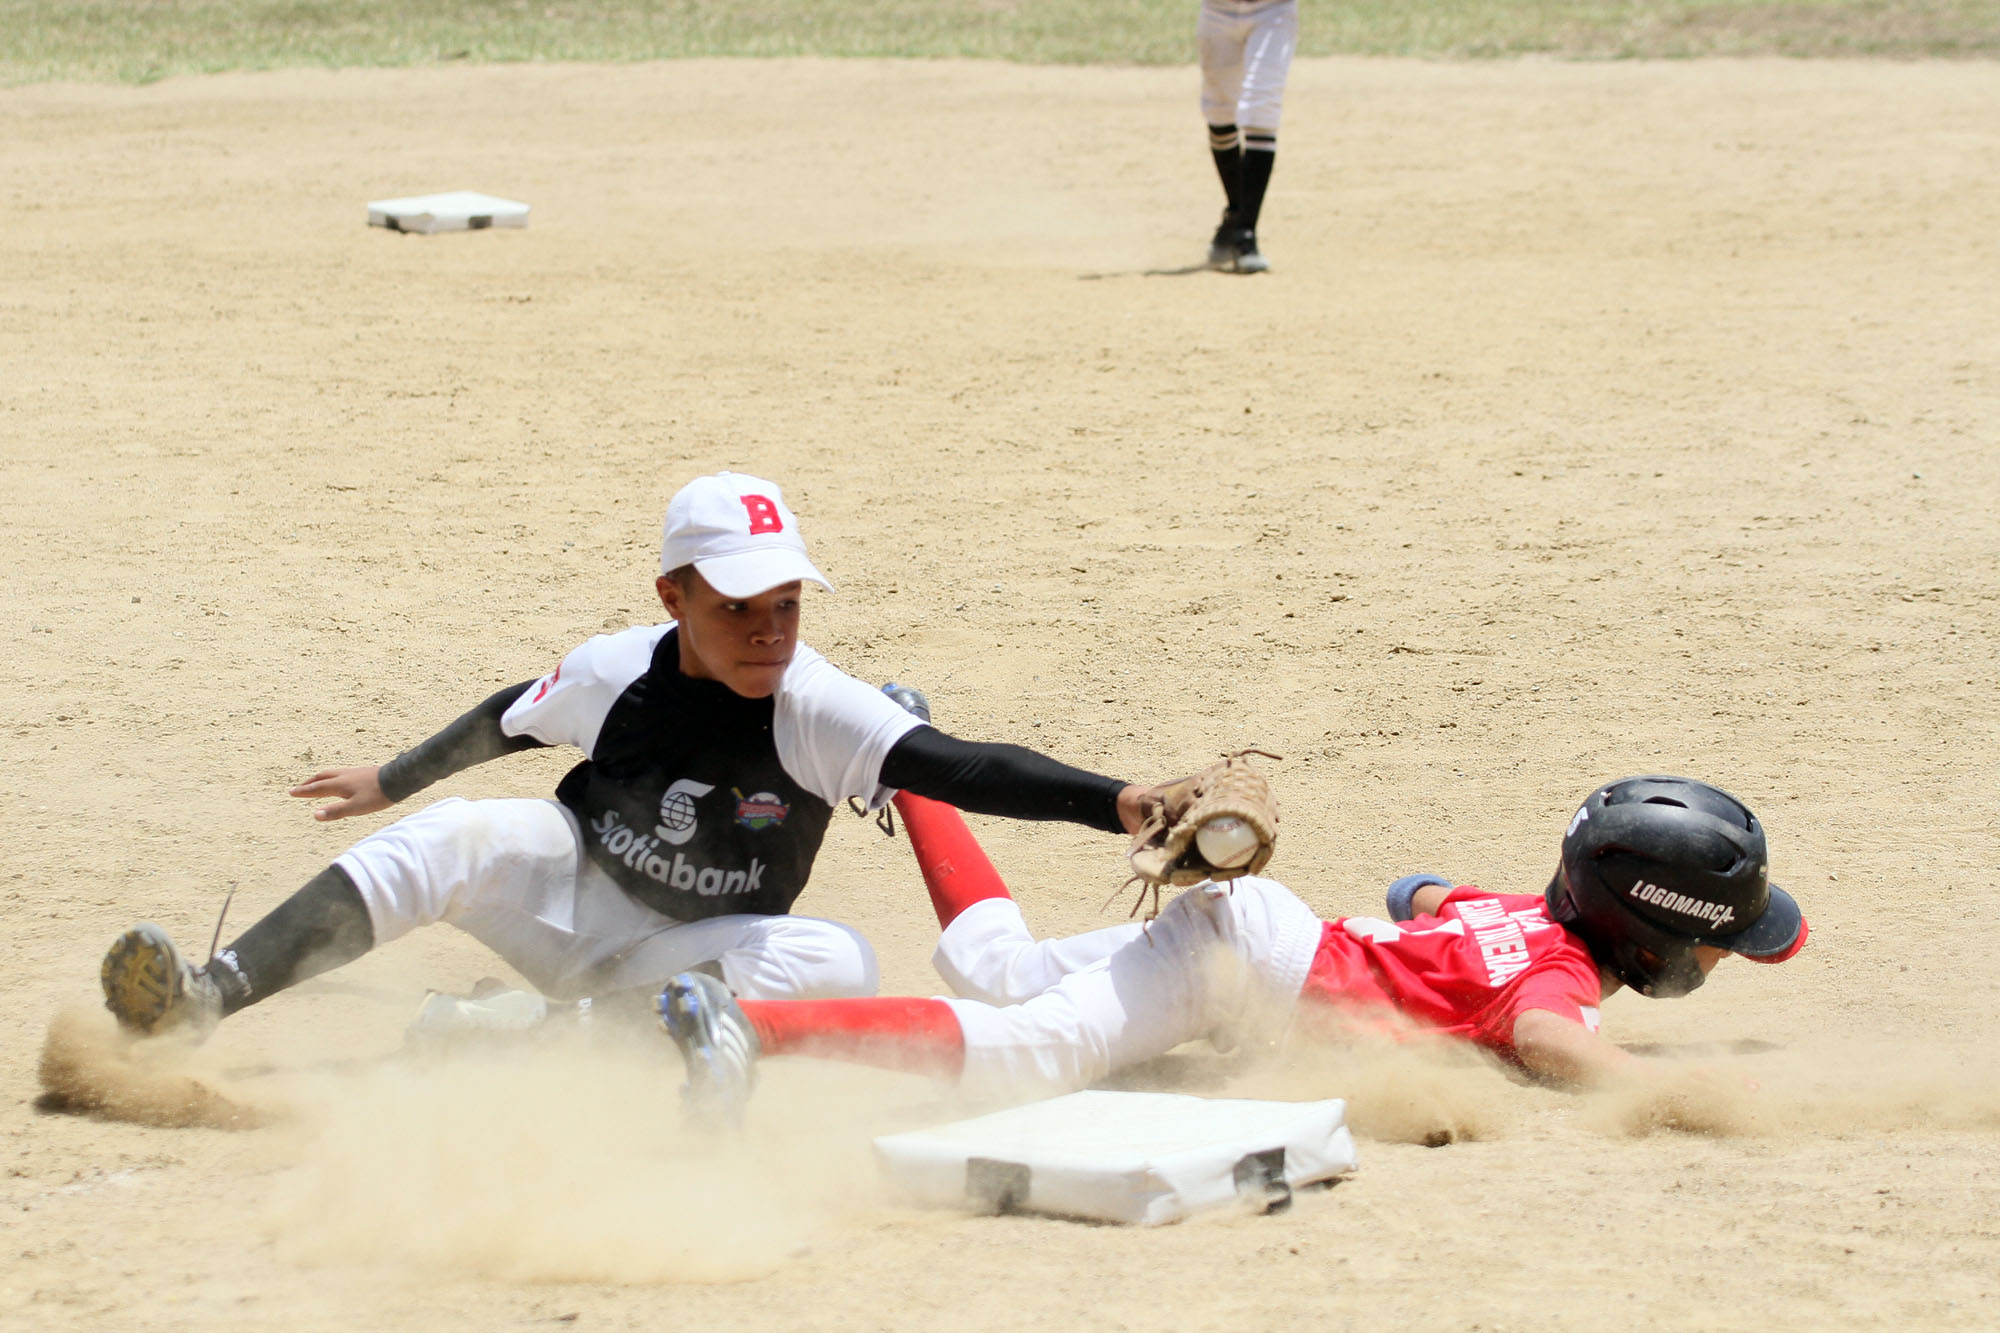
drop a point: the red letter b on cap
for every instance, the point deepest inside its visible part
(763, 515)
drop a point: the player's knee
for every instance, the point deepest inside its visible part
(1249, 904)
(1199, 913)
(978, 953)
(1242, 919)
(851, 968)
(807, 960)
(454, 856)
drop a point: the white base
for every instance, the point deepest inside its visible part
(460, 210)
(1138, 1157)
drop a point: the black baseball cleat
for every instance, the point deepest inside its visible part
(151, 990)
(1234, 248)
(1222, 250)
(911, 700)
(1249, 259)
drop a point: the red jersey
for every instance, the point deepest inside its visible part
(1469, 971)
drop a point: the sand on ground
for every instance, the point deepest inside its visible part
(1594, 419)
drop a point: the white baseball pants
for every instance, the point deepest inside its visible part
(1053, 1016)
(1246, 54)
(513, 875)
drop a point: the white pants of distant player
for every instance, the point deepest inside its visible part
(1047, 1016)
(513, 875)
(1246, 52)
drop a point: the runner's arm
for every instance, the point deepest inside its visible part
(1565, 1051)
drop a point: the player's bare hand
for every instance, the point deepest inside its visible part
(357, 791)
(1136, 802)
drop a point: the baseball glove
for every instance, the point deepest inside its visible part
(1216, 825)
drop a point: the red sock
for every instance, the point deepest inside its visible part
(955, 869)
(890, 1032)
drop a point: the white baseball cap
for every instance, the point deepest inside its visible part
(734, 528)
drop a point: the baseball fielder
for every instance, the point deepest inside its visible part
(1246, 52)
(715, 746)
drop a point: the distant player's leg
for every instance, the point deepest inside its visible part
(1267, 62)
(1221, 34)
(1217, 955)
(1225, 145)
(985, 951)
(1260, 153)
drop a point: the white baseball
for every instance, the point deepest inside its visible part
(1226, 842)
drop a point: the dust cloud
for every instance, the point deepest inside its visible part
(89, 1067)
(573, 1163)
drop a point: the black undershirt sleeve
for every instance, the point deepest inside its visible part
(473, 739)
(1006, 780)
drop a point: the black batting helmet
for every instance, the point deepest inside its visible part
(1653, 866)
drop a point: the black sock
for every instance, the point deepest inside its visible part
(1256, 179)
(1225, 145)
(317, 929)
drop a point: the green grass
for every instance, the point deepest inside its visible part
(141, 40)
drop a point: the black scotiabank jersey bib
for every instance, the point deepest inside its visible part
(687, 800)
(685, 803)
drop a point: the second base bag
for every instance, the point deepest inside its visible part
(458, 210)
(1135, 1157)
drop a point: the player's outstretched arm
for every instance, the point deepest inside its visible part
(1565, 1051)
(1649, 1094)
(473, 738)
(1010, 781)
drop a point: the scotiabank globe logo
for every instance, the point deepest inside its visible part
(677, 811)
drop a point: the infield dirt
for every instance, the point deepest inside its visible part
(1595, 419)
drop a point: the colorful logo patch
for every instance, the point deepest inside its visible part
(760, 810)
